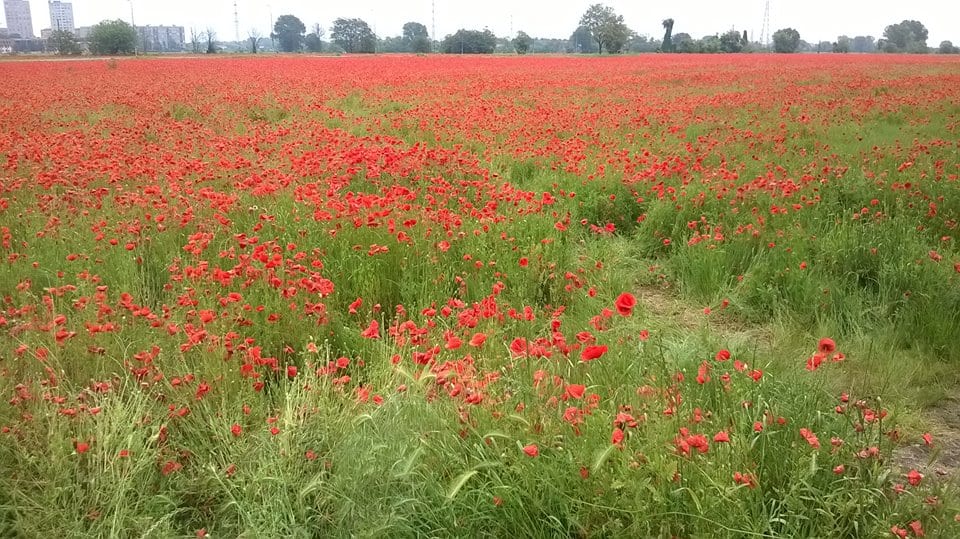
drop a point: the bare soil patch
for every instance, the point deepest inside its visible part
(941, 459)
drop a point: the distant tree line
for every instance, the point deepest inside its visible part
(601, 30)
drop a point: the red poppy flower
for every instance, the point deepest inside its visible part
(814, 361)
(914, 477)
(810, 437)
(531, 450)
(826, 346)
(372, 331)
(478, 339)
(593, 352)
(625, 303)
(617, 437)
(575, 391)
(518, 347)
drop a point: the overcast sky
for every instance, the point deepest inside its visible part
(815, 19)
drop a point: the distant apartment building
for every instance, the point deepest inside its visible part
(161, 38)
(19, 21)
(61, 16)
(82, 33)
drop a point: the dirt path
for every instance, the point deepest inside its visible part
(664, 303)
(941, 459)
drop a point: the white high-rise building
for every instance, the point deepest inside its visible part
(61, 16)
(18, 17)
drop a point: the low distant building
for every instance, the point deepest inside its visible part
(23, 45)
(161, 38)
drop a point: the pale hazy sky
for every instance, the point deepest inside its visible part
(815, 19)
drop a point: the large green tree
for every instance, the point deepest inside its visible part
(288, 31)
(64, 43)
(907, 36)
(786, 40)
(354, 35)
(730, 41)
(606, 28)
(684, 42)
(667, 45)
(582, 41)
(710, 44)
(112, 38)
(416, 38)
(313, 41)
(842, 44)
(522, 42)
(469, 42)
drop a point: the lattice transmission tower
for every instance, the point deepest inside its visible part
(765, 30)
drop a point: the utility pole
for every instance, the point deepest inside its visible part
(236, 21)
(134, 25)
(273, 43)
(433, 29)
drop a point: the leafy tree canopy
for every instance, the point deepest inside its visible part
(522, 42)
(313, 43)
(786, 40)
(730, 41)
(112, 38)
(64, 43)
(470, 42)
(907, 36)
(416, 38)
(947, 47)
(582, 41)
(606, 28)
(684, 42)
(354, 35)
(289, 30)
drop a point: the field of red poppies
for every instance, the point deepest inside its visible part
(678, 296)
